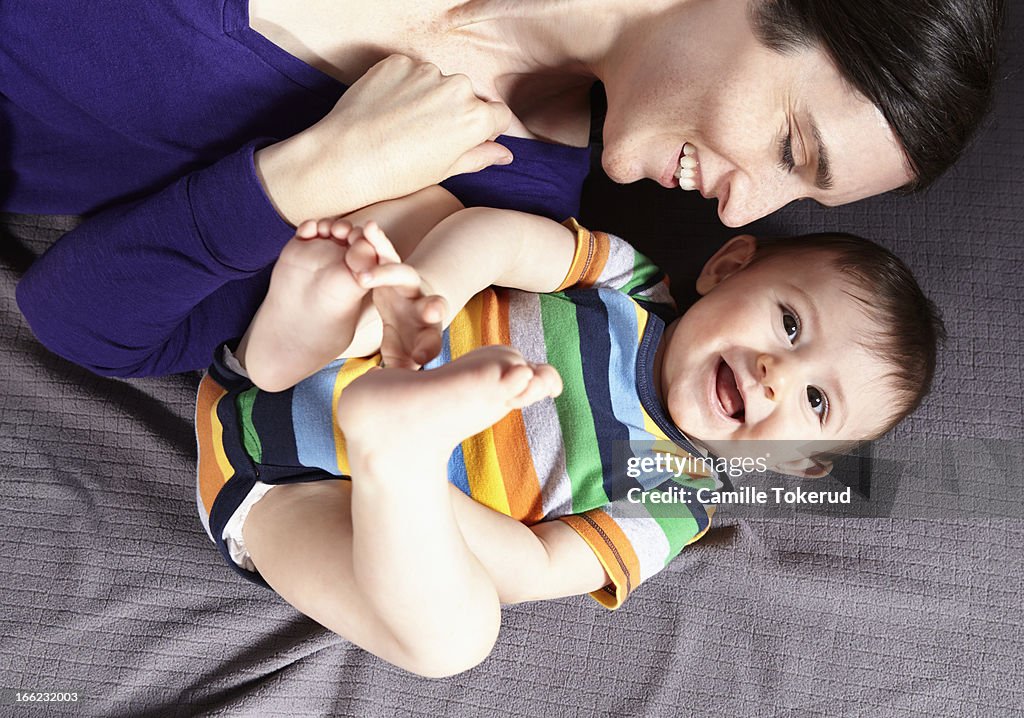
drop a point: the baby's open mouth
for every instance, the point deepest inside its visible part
(728, 393)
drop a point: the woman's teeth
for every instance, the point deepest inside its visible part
(687, 172)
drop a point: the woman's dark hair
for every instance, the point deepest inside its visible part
(928, 65)
(908, 327)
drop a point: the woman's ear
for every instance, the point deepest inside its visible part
(806, 468)
(733, 256)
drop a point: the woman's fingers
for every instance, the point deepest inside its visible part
(480, 157)
(401, 127)
(502, 116)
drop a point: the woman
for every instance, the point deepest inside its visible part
(195, 134)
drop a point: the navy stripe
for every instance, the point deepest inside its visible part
(233, 442)
(665, 312)
(272, 417)
(643, 287)
(595, 351)
(652, 403)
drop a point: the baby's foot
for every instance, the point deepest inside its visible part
(312, 307)
(426, 414)
(411, 318)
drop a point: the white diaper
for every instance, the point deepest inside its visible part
(233, 529)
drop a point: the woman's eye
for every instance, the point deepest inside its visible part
(818, 402)
(786, 160)
(791, 325)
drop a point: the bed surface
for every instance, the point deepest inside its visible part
(111, 588)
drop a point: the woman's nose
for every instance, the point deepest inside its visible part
(747, 201)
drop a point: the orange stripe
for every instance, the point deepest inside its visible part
(581, 254)
(601, 251)
(613, 550)
(483, 316)
(588, 259)
(214, 467)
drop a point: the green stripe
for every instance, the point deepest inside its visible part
(676, 519)
(676, 522)
(582, 457)
(245, 403)
(643, 270)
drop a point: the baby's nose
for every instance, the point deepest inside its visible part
(770, 376)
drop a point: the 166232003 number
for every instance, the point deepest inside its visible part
(45, 696)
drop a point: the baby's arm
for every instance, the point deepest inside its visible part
(528, 563)
(475, 248)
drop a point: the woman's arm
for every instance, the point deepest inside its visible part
(152, 287)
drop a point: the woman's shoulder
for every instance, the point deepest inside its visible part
(544, 179)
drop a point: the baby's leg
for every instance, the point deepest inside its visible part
(384, 563)
(312, 307)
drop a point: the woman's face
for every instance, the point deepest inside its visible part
(768, 128)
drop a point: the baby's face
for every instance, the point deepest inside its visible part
(771, 353)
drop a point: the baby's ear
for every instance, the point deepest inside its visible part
(807, 468)
(733, 256)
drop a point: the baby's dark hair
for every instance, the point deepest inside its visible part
(910, 326)
(928, 65)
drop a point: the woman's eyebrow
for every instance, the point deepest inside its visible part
(823, 179)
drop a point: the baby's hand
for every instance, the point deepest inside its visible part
(412, 318)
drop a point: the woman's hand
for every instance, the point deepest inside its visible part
(401, 127)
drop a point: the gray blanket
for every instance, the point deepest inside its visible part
(111, 588)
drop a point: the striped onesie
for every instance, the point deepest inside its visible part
(574, 458)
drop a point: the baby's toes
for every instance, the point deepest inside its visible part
(515, 382)
(427, 345)
(549, 378)
(544, 382)
(306, 230)
(323, 227)
(361, 256)
(340, 228)
(431, 309)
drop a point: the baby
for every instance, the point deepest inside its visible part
(401, 508)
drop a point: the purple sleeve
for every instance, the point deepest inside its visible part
(152, 287)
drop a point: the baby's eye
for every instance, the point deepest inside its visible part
(818, 402)
(791, 324)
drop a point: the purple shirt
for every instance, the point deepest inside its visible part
(144, 116)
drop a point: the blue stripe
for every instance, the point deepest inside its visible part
(595, 350)
(313, 419)
(622, 329)
(446, 352)
(457, 473)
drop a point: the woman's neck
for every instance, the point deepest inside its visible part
(538, 56)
